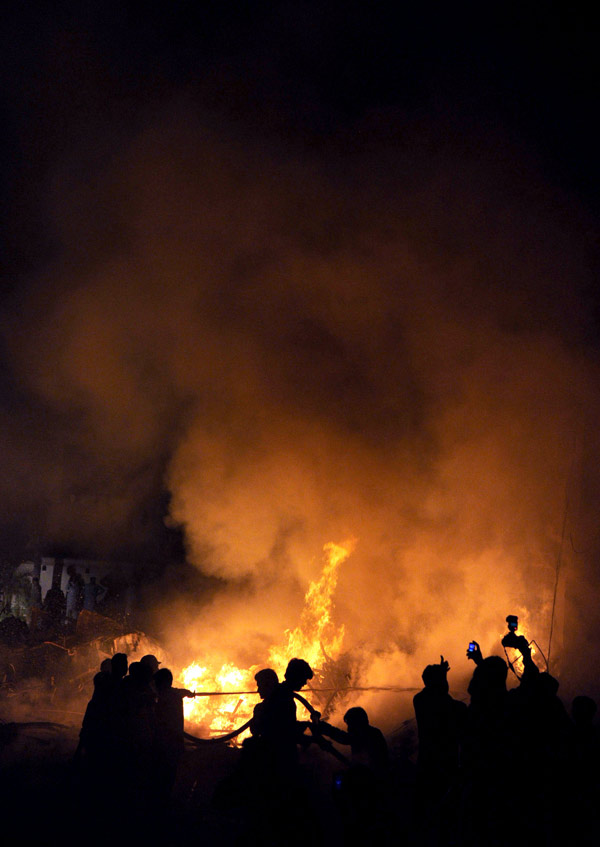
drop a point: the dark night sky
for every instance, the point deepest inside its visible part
(299, 71)
(350, 76)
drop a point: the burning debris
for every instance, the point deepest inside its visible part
(317, 639)
(55, 676)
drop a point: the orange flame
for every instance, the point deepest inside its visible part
(315, 639)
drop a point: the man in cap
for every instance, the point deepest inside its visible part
(151, 662)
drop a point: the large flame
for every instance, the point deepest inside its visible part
(316, 639)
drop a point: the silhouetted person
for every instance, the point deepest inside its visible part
(587, 749)
(584, 774)
(117, 742)
(74, 594)
(97, 778)
(92, 592)
(551, 726)
(367, 744)
(548, 750)
(441, 724)
(282, 814)
(106, 666)
(151, 662)
(34, 603)
(256, 764)
(54, 605)
(95, 729)
(498, 744)
(251, 779)
(266, 683)
(279, 726)
(119, 665)
(361, 792)
(169, 731)
(35, 596)
(139, 702)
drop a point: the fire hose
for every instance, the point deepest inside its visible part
(393, 688)
(217, 739)
(230, 735)
(325, 745)
(319, 740)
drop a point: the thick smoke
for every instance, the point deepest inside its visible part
(386, 345)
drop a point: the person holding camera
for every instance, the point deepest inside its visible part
(498, 741)
(441, 724)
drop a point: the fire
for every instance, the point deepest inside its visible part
(316, 639)
(221, 714)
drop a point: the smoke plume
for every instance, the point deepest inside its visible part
(388, 342)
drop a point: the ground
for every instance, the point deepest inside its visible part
(40, 783)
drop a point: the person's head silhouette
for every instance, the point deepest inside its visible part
(119, 665)
(356, 720)
(297, 673)
(266, 682)
(163, 679)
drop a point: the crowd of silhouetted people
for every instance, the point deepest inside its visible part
(511, 765)
(131, 740)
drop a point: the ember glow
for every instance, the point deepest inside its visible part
(316, 639)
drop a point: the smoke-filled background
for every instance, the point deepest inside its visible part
(278, 277)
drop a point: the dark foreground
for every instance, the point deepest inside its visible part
(44, 800)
